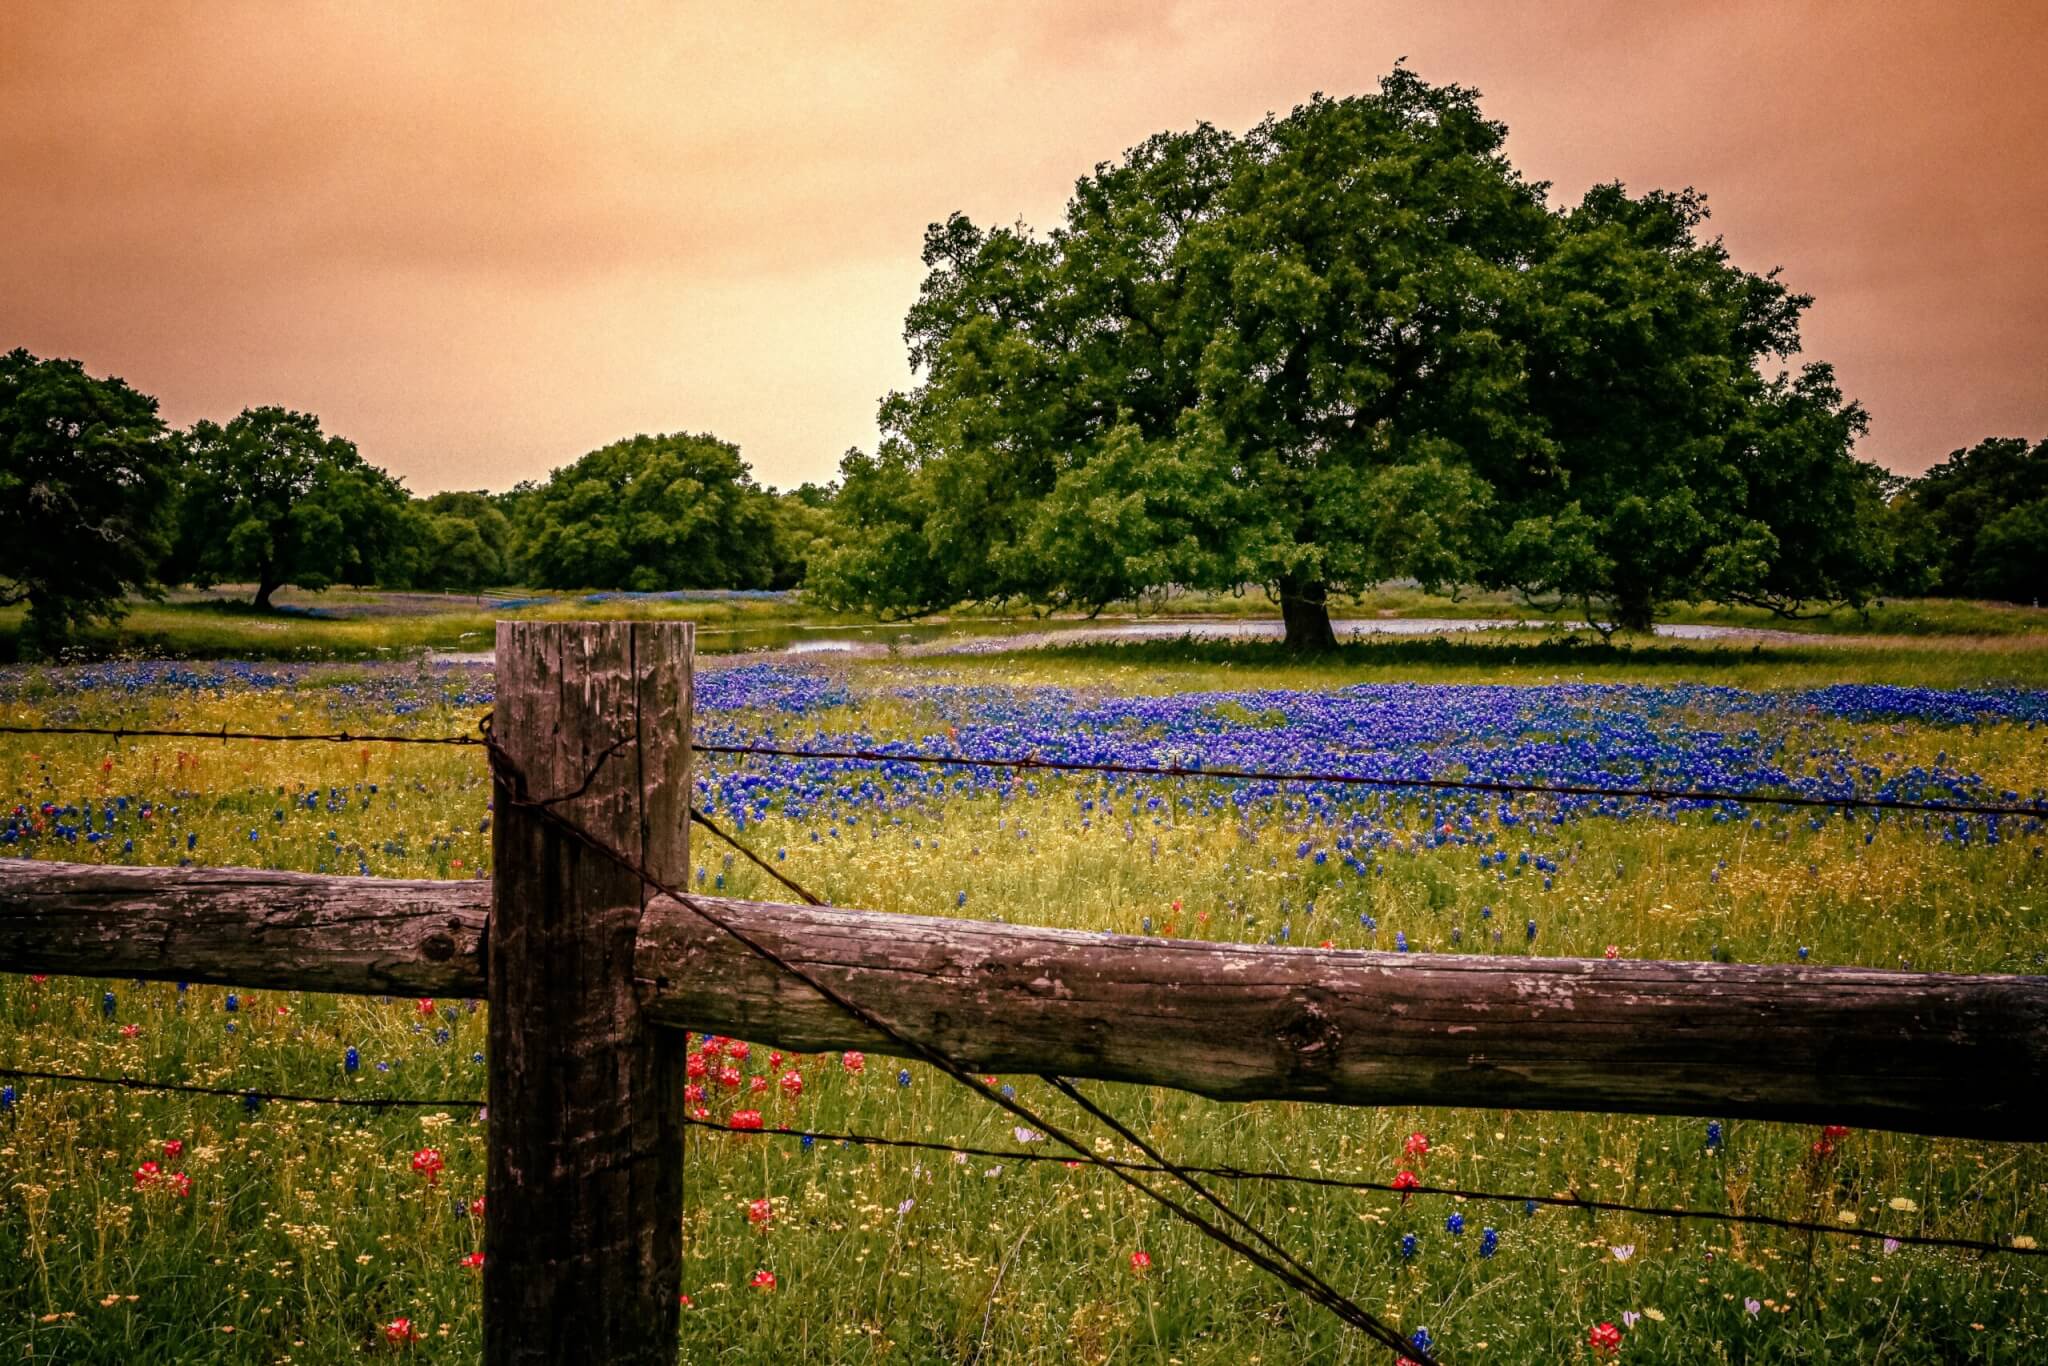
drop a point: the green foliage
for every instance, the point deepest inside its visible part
(646, 514)
(84, 474)
(1980, 520)
(1353, 345)
(271, 498)
(454, 541)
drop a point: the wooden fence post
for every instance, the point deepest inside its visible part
(583, 1224)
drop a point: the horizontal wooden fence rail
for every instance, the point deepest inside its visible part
(1917, 1052)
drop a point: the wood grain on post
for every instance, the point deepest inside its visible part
(583, 1225)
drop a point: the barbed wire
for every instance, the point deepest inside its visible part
(1228, 1173)
(1359, 1184)
(243, 1094)
(341, 737)
(1498, 786)
(1502, 787)
(1278, 1262)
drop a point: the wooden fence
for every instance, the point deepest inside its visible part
(589, 978)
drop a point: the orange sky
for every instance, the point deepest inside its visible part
(480, 239)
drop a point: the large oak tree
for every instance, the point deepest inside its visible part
(1351, 345)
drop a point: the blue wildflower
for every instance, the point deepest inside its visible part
(1489, 1242)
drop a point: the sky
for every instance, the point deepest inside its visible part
(481, 239)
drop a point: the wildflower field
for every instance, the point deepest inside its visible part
(158, 1228)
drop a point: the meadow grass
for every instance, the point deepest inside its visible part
(368, 624)
(307, 1229)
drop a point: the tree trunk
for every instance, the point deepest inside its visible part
(1305, 609)
(265, 586)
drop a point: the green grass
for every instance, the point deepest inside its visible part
(367, 624)
(307, 1228)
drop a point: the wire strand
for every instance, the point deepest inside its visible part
(512, 791)
(1500, 786)
(341, 737)
(1347, 1183)
(242, 1094)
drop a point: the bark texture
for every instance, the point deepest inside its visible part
(583, 1235)
(1925, 1053)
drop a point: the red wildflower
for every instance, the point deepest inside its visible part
(1613, 951)
(472, 1261)
(738, 1050)
(1141, 1262)
(684, 1300)
(853, 1062)
(1835, 1131)
(774, 1060)
(1823, 1148)
(730, 1078)
(1405, 1182)
(763, 1280)
(760, 1211)
(696, 1067)
(712, 1046)
(399, 1332)
(476, 1208)
(173, 1147)
(792, 1083)
(1417, 1144)
(179, 1183)
(693, 1093)
(1605, 1339)
(129, 1031)
(427, 1162)
(146, 1175)
(746, 1119)
(426, 1005)
(758, 1085)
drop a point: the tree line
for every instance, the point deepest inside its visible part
(1354, 344)
(100, 500)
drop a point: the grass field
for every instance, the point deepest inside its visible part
(345, 624)
(306, 1231)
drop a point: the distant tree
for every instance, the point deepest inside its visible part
(1980, 519)
(648, 513)
(454, 541)
(272, 499)
(1676, 468)
(803, 527)
(85, 473)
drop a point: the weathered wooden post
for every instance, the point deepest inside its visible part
(583, 1225)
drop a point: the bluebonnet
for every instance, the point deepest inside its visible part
(1454, 1224)
(7, 1099)
(107, 1005)
(1408, 1245)
(1714, 1136)
(1489, 1242)
(234, 1002)
(351, 1060)
(1422, 1340)
(903, 1077)
(251, 1102)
